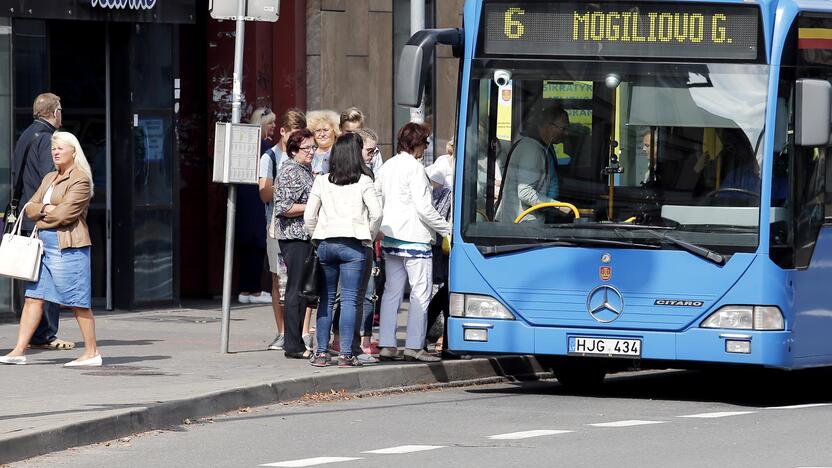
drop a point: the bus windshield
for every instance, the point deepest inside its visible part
(631, 152)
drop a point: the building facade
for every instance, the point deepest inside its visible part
(352, 52)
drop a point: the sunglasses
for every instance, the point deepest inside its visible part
(266, 112)
(308, 149)
(373, 151)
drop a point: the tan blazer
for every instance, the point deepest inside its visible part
(71, 197)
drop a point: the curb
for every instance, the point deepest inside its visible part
(173, 413)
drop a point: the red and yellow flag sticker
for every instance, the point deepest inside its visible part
(814, 38)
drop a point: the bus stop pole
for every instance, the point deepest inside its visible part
(417, 23)
(239, 39)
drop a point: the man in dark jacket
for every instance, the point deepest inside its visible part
(36, 144)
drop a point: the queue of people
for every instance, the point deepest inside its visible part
(333, 194)
(325, 188)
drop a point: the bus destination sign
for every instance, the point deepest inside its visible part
(620, 29)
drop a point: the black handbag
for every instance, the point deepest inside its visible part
(310, 287)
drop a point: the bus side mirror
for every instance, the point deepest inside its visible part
(410, 81)
(813, 108)
(415, 60)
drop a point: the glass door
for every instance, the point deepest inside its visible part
(145, 214)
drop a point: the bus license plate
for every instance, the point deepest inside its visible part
(611, 347)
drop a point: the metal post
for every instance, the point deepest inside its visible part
(239, 39)
(417, 23)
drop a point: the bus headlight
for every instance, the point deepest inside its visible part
(746, 318)
(476, 306)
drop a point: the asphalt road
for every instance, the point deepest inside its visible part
(648, 419)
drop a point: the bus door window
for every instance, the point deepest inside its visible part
(799, 191)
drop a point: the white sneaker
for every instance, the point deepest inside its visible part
(277, 343)
(366, 359)
(244, 299)
(262, 298)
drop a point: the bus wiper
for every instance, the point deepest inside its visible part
(697, 250)
(596, 224)
(490, 250)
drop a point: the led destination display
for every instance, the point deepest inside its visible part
(685, 31)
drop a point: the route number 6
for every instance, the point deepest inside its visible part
(514, 29)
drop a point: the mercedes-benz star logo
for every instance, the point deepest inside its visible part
(604, 303)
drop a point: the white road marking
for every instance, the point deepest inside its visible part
(810, 405)
(718, 414)
(404, 449)
(312, 461)
(526, 434)
(627, 423)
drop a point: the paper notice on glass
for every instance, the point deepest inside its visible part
(504, 112)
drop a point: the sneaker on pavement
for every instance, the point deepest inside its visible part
(366, 359)
(262, 298)
(320, 360)
(389, 354)
(244, 299)
(349, 361)
(277, 343)
(420, 355)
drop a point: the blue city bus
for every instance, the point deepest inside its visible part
(679, 217)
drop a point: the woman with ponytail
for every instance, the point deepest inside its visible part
(59, 208)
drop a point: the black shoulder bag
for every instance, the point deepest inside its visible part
(310, 287)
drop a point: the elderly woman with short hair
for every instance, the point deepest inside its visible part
(324, 125)
(291, 193)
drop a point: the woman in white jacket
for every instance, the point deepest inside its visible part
(343, 213)
(409, 223)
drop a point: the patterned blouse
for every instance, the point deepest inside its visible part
(293, 183)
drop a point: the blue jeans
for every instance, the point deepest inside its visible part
(341, 259)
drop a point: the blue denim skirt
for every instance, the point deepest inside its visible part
(64, 274)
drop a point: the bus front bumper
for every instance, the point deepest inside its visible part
(764, 348)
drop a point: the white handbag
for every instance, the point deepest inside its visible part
(20, 255)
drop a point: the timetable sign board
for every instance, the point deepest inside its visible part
(236, 153)
(642, 30)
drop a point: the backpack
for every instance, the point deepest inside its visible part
(273, 157)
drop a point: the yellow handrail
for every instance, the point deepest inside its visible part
(546, 205)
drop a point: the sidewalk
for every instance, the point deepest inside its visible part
(163, 366)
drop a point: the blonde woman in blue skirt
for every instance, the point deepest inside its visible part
(59, 208)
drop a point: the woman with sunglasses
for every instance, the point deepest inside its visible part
(291, 192)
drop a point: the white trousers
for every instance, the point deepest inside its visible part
(418, 271)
